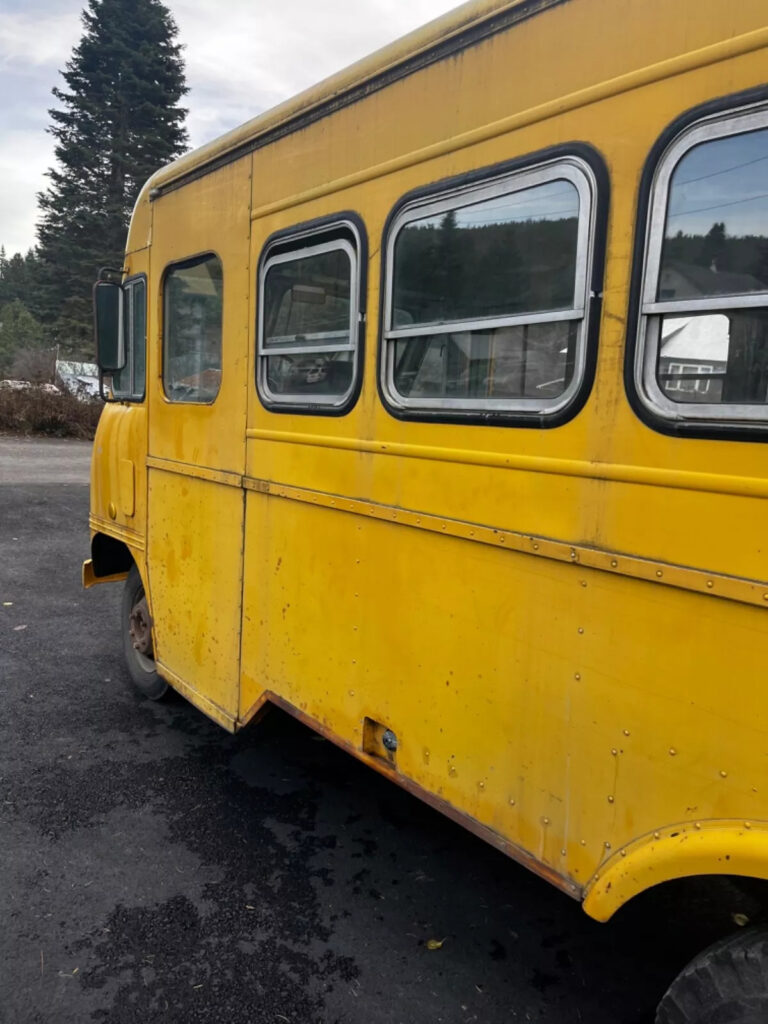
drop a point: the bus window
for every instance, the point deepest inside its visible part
(309, 313)
(129, 383)
(487, 295)
(702, 353)
(192, 300)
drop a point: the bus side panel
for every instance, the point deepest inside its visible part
(567, 709)
(194, 568)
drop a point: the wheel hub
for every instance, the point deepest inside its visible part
(140, 628)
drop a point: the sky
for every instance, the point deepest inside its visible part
(242, 57)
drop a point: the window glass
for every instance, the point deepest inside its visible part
(716, 231)
(719, 358)
(193, 295)
(487, 294)
(476, 260)
(308, 322)
(129, 383)
(527, 361)
(703, 331)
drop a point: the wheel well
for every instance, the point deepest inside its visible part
(672, 922)
(110, 556)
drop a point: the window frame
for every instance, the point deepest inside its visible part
(187, 262)
(742, 112)
(132, 394)
(584, 167)
(345, 232)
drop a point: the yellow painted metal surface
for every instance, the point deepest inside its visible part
(566, 629)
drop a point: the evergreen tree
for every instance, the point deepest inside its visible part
(120, 121)
(19, 332)
(18, 278)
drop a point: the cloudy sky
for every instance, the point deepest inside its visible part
(242, 57)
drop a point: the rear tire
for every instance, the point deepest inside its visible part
(726, 984)
(136, 631)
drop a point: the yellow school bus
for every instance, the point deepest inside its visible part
(437, 416)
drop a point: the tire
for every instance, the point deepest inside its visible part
(135, 625)
(726, 984)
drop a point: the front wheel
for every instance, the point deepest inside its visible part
(726, 984)
(136, 628)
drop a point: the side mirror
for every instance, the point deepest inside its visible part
(108, 301)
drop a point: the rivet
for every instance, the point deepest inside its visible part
(351, 693)
(623, 853)
(723, 774)
(607, 845)
(614, 563)
(451, 769)
(545, 821)
(625, 731)
(511, 801)
(577, 676)
(502, 539)
(765, 597)
(659, 573)
(562, 853)
(611, 799)
(481, 784)
(657, 835)
(710, 584)
(535, 547)
(583, 583)
(672, 751)
(418, 522)
(614, 751)
(573, 553)
(747, 824)
(583, 842)
(581, 629)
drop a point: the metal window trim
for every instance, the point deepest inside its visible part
(485, 324)
(563, 167)
(723, 124)
(354, 248)
(186, 264)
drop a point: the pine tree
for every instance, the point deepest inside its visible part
(120, 121)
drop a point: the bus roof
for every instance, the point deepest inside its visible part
(438, 38)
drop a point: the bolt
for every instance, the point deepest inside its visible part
(389, 741)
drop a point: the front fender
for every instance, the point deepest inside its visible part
(678, 851)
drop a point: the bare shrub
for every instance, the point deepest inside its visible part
(36, 411)
(37, 365)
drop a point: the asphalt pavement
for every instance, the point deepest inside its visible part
(154, 868)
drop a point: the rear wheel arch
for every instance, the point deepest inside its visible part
(689, 850)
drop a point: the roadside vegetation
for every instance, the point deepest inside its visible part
(36, 410)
